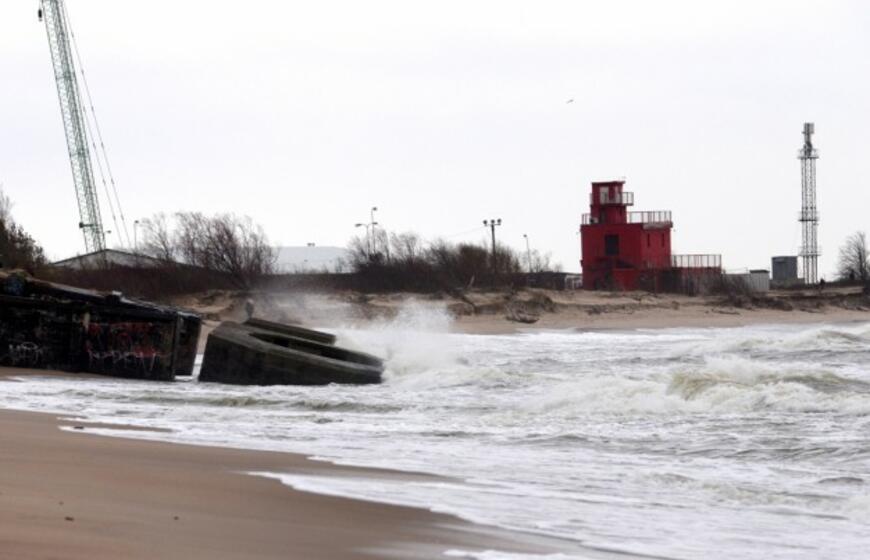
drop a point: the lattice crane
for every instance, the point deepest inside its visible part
(53, 12)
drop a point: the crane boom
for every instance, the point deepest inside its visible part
(72, 111)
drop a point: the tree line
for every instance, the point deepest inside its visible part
(404, 261)
(226, 244)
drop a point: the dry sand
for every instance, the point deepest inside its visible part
(72, 495)
(700, 316)
(487, 312)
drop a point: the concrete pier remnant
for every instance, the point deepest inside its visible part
(52, 326)
(264, 353)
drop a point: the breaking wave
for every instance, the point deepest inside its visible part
(719, 385)
(775, 343)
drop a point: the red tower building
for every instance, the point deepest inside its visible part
(622, 249)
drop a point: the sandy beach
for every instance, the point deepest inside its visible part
(67, 494)
(481, 312)
(680, 316)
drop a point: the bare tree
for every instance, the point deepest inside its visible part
(380, 244)
(540, 262)
(224, 243)
(191, 238)
(357, 252)
(5, 207)
(17, 248)
(854, 261)
(158, 238)
(406, 247)
(229, 244)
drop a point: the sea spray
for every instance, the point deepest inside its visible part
(416, 344)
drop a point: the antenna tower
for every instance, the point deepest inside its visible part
(809, 216)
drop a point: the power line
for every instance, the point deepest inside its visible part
(102, 153)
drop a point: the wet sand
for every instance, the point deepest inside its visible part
(68, 494)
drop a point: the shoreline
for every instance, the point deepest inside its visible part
(481, 312)
(67, 493)
(655, 319)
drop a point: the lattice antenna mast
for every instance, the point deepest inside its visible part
(809, 216)
(72, 111)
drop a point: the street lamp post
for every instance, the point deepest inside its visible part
(373, 223)
(528, 253)
(136, 236)
(491, 225)
(368, 242)
(370, 232)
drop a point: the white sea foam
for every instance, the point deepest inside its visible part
(499, 555)
(684, 443)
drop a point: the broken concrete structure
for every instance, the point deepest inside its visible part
(52, 326)
(266, 353)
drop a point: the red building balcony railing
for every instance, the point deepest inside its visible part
(652, 217)
(696, 261)
(605, 198)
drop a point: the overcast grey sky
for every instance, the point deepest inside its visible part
(303, 115)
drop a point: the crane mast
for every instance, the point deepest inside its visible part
(53, 13)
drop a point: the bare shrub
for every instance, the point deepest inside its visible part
(408, 263)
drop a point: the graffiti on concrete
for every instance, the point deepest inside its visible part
(129, 345)
(25, 354)
(51, 326)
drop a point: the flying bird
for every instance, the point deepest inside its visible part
(570, 101)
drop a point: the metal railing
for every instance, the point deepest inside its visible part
(653, 217)
(696, 261)
(624, 198)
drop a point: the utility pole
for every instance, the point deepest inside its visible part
(528, 253)
(491, 225)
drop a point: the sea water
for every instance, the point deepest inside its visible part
(749, 442)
